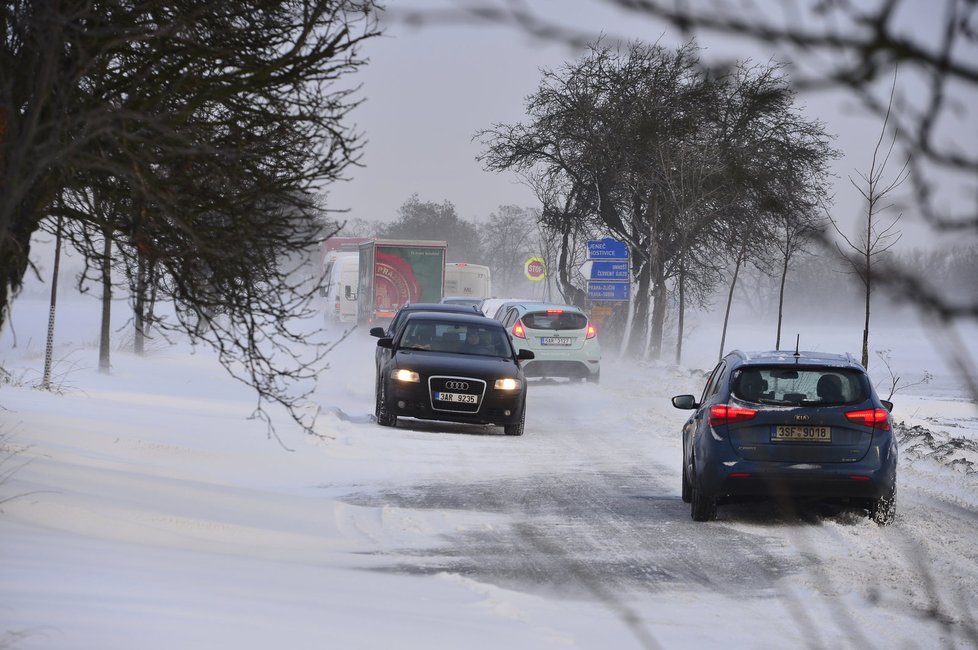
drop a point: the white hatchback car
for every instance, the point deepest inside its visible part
(562, 338)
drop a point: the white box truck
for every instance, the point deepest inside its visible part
(464, 280)
(340, 281)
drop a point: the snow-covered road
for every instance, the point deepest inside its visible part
(145, 509)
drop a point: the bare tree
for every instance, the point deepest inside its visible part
(642, 144)
(877, 238)
(211, 130)
(509, 235)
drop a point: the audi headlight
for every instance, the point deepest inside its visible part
(508, 384)
(405, 375)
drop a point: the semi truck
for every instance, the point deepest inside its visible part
(398, 271)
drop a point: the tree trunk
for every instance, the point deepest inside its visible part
(140, 305)
(571, 294)
(784, 275)
(868, 293)
(682, 315)
(15, 245)
(104, 338)
(640, 317)
(730, 294)
(659, 306)
(153, 293)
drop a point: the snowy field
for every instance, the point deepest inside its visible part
(144, 509)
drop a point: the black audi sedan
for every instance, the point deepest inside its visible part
(452, 367)
(788, 425)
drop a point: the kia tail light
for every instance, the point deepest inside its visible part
(591, 331)
(876, 418)
(726, 414)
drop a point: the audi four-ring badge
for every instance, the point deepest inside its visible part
(452, 367)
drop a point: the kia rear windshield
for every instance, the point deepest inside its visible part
(799, 386)
(555, 320)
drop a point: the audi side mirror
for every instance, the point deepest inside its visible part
(386, 342)
(377, 331)
(685, 402)
(525, 355)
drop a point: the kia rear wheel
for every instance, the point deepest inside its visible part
(702, 507)
(883, 510)
(687, 486)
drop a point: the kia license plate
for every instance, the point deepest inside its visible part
(457, 398)
(802, 434)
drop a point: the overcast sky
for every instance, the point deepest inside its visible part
(430, 89)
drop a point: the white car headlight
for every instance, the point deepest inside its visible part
(508, 384)
(405, 375)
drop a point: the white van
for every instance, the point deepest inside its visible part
(340, 280)
(464, 280)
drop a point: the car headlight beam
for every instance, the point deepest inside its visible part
(402, 374)
(508, 384)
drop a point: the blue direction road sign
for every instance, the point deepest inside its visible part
(608, 290)
(610, 270)
(607, 249)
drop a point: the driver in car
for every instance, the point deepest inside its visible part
(474, 343)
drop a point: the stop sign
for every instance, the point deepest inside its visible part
(535, 268)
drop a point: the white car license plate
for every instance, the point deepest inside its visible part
(555, 340)
(457, 398)
(802, 434)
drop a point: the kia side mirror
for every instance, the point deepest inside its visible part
(386, 342)
(377, 331)
(525, 355)
(685, 402)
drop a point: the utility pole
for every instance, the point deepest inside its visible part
(49, 350)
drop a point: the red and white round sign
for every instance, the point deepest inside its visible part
(535, 268)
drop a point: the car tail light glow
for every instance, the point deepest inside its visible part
(740, 475)
(518, 330)
(876, 418)
(726, 414)
(555, 311)
(859, 478)
(591, 331)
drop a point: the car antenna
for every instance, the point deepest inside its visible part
(797, 343)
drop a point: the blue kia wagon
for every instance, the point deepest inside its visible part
(786, 425)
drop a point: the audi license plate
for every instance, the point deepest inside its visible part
(457, 398)
(802, 434)
(555, 340)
